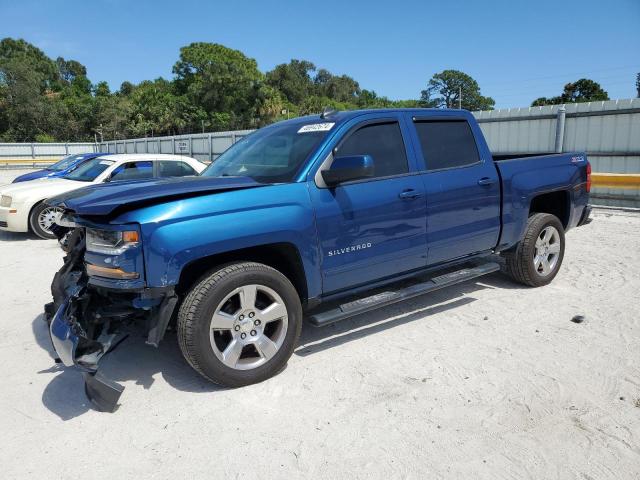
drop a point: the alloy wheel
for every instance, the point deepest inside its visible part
(547, 251)
(248, 327)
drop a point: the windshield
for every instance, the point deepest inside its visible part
(270, 155)
(65, 163)
(88, 171)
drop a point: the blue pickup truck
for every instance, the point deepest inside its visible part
(321, 217)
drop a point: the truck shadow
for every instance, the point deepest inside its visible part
(140, 363)
(314, 340)
(17, 236)
(131, 361)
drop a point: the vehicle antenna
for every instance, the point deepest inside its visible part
(328, 111)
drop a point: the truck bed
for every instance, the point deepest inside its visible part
(557, 179)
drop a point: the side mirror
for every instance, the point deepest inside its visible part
(344, 169)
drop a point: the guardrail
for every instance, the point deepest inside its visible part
(7, 163)
(616, 180)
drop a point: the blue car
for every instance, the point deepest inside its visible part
(61, 168)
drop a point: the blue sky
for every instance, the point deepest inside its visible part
(517, 50)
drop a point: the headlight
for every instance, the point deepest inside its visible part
(5, 201)
(111, 242)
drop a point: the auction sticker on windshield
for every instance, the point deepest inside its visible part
(316, 127)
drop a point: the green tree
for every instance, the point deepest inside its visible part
(270, 105)
(444, 90)
(4, 105)
(214, 88)
(316, 104)
(44, 138)
(70, 69)
(155, 110)
(583, 90)
(75, 104)
(292, 79)
(32, 58)
(340, 88)
(542, 101)
(111, 116)
(215, 78)
(370, 99)
(406, 103)
(126, 88)
(101, 89)
(25, 110)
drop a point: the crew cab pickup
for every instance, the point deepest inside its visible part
(318, 217)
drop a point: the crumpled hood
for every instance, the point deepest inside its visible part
(107, 198)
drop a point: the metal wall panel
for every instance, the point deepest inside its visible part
(43, 150)
(608, 131)
(203, 146)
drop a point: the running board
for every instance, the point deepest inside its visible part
(385, 298)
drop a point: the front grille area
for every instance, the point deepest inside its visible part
(3, 224)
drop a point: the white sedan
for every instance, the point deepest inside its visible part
(22, 206)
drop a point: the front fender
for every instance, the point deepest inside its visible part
(179, 232)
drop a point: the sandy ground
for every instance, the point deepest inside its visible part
(485, 380)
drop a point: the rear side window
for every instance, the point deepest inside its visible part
(174, 169)
(132, 171)
(383, 142)
(447, 144)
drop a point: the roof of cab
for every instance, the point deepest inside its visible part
(340, 116)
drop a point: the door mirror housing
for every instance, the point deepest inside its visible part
(345, 169)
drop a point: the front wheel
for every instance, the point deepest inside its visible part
(240, 324)
(41, 218)
(536, 259)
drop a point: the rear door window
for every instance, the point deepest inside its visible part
(447, 144)
(383, 141)
(132, 171)
(174, 169)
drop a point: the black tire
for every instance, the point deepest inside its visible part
(198, 307)
(520, 259)
(35, 226)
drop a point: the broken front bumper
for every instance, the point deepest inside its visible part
(102, 392)
(74, 349)
(86, 322)
(63, 336)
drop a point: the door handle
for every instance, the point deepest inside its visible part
(485, 181)
(409, 194)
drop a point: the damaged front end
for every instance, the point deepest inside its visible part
(87, 319)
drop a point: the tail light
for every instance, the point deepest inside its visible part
(588, 177)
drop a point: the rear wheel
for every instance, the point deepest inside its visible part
(239, 325)
(536, 259)
(41, 219)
